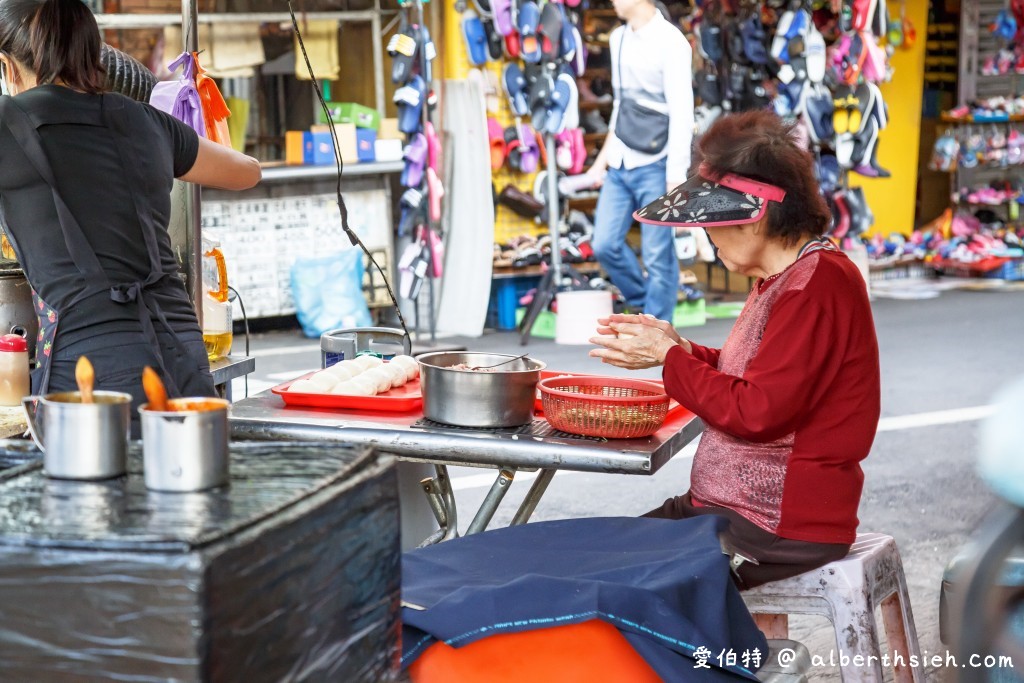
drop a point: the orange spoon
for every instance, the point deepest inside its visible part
(85, 377)
(156, 394)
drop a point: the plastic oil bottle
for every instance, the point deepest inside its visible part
(216, 307)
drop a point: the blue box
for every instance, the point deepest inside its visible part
(365, 141)
(317, 149)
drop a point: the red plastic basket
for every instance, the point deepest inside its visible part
(609, 407)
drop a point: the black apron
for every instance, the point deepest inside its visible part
(85, 259)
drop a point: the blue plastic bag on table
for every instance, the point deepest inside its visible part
(328, 292)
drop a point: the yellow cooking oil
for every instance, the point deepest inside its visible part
(218, 344)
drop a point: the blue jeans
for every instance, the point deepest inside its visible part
(624, 191)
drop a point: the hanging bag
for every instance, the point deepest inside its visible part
(639, 127)
(215, 109)
(179, 97)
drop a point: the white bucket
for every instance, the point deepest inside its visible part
(578, 312)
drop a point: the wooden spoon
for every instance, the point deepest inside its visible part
(86, 377)
(156, 394)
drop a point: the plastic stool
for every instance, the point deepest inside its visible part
(847, 592)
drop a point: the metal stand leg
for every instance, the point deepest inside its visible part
(540, 485)
(487, 508)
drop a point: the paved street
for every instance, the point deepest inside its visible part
(942, 361)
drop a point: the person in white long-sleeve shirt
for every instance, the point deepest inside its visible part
(651, 65)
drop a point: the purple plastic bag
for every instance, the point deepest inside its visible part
(179, 98)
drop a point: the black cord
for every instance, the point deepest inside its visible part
(342, 209)
(245, 322)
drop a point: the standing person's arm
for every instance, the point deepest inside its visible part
(600, 165)
(679, 97)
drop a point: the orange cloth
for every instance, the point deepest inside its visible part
(575, 653)
(215, 109)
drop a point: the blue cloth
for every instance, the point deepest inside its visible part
(664, 584)
(624, 191)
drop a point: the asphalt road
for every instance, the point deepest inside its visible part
(942, 361)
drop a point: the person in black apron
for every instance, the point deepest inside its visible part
(85, 183)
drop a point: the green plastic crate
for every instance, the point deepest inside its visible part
(543, 326)
(689, 314)
(351, 112)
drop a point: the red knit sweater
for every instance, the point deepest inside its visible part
(791, 402)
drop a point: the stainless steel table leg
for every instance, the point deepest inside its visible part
(436, 501)
(498, 490)
(540, 485)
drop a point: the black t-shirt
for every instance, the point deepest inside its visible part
(85, 155)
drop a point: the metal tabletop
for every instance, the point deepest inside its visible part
(265, 416)
(409, 436)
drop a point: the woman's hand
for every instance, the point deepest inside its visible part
(635, 345)
(604, 326)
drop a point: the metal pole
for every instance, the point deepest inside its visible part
(430, 224)
(378, 57)
(554, 212)
(529, 504)
(487, 508)
(193, 260)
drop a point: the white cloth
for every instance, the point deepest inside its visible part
(656, 59)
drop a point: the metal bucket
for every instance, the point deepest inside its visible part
(503, 398)
(185, 449)
(346, 344)
(81, 440)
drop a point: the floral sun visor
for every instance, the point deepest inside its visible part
(707, 199)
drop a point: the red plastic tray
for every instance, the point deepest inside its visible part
(403, 399)
(538, 404)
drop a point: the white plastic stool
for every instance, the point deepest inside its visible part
(847, 592)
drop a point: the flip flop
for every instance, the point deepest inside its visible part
(412, 211)
(513, 45)
(579, 151)
(415, 155)
(495, 135)
(572, 110)
(853, 64)
(827, 170)
(529, 151)
(819, 113)
(530, 42)
(579, 55)
(711, 43)
(563, 150)
(815, 55)
(495, 41)
(513, 148)
(549, 31)
(567, 42)
(862, 144)
(426, 43)
(514, 83)
(501, 11)
(433, 147)
(436, 191)
(476, 38)
(863, 12)
(753, 37)
(875, 61)
(402, 50)
(409, 99)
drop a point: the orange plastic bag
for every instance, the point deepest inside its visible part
(575, 653)
(215, 109)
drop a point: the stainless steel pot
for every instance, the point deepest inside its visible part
(185, 448)
(81, 440)
(503, 397)
(17, 315)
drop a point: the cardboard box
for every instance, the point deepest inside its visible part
(294, 147)
(319, 146)
(389, 130)
(387, 150)
(351, 112)
(365, 139)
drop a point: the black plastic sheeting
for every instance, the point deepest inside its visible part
(290, 573)
(126, 75)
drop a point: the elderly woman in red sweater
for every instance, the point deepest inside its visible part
(791, 401)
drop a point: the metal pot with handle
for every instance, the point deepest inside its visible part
(501, 397)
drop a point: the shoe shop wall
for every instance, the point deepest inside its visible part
(893, 199)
